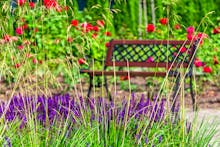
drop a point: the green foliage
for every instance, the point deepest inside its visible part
(98, 134)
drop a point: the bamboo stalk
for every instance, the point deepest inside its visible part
(140, 18)
(145, 13)
(153, 12)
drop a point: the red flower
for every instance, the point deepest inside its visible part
(183, 50)
(202, 35)
(20, 47)
(100, 23)
(107, 44)
(86, 27)
(108, 34)
(81, 61)
(69, 39)
(190, 30)
(150, 59)
(21, 2)
(163, 21)
(7, 38)
(216, 30)
(19, 31)
(95, 28)
(50, 3)
(34, 61)
(25, 26)
(190, 37)
(198, 63)
(177, 26)
(74, 23)
(17, 65)
(124, 78)
(150, 28)
(215, 59)
(207, 69)
(31, 4)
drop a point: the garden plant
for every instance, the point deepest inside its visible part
(43, 46)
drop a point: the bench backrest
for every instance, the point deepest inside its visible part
(150, 53)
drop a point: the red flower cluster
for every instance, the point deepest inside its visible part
(8, 38)
(164, 21)
(199, 63)
(150, 28)
(190, 33)
(86, 27)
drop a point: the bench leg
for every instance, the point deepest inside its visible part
(176, 88)
(106, 88)
(192, 94)
(90, 86)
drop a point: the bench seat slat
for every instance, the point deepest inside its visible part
(145, 64)
(125, 73)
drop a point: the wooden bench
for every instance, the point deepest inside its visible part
(150, 54)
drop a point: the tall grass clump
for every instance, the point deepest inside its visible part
(62, 120)
(50, 40)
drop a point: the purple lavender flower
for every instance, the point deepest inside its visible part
(160, 139)
(8, 142)
(146, 140)
(61, 107)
